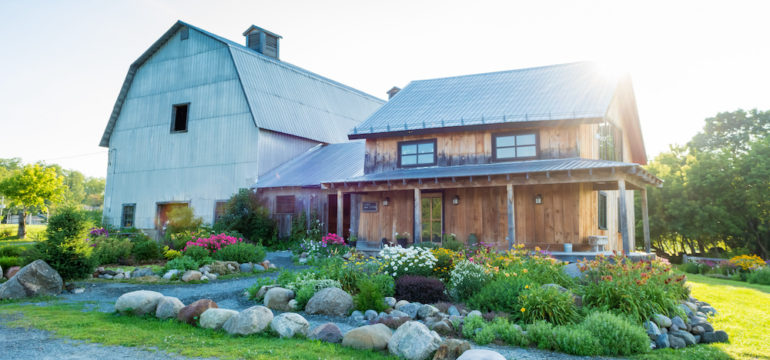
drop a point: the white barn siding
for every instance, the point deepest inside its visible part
(215, 157)
(277, 148)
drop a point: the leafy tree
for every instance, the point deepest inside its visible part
(32, 187)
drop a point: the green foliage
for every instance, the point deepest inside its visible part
(761, 276)
(12, 250)
(384, 283)
(182, 218)
(690, 267)
(616, 335)
(575, 340)
(66, 250)
(369, 296)
(450, 242)
(182, 263)
(508, 332)
(501, 294)
(466, 280)
(146, 249)
(32, 187)
(484, 336)
(470, 325)
(549, 304)
(254, 289)
(246, 213)
(541, 334)
(241, 252)
(197, 252)
(7, 262)
(111, 250)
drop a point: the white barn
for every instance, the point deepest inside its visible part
(199, 117)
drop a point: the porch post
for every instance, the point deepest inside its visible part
(340, 212)
(623, 216)
(511, 217)
(417, 216)
(645, 221)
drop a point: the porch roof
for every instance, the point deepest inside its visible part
(506, 168)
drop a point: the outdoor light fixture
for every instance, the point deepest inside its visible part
(538, 199)
(456, 200)
(386, 201)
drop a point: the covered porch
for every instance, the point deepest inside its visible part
(539, 203)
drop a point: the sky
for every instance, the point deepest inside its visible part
(62, 63)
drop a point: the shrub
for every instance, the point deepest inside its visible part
(541, 334)
(549, 304)
(397, 261)
(146, 250)
(183, 263)
(637, 290)
(12, 250)
(451, 243)
(575, 340)
(466, 280)
(111, 250)
(10, 261)
(196, 252)
(246, 213)
(501, 294)
(445, 263)
(508, 333)
(242, 253)
(385, 284)
(470, 325)
(691, 268)
(369, 296)
(747, 262)
(484, 336)
(616, 335)
(171, 254)
(213, 243)
(66, 249)
(420, 289)
(182, 219)
(761, 276)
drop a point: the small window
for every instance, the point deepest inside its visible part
(127, 218)
(180, 118)
(515, 146)
(602, 208)
(610, 142)
(284, 204)
(417, 153)
(184, 34)
(219, 210)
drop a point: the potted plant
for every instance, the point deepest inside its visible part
(402, 239)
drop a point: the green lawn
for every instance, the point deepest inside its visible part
(12, 229)
(172, 336)
(744, 312)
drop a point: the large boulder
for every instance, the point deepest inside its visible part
(573, 270)
(139, 302)
(328, 332)
(250, 321)
(191, 275)
(12, 271)
(191, 313)
(714, 337)
(224, 267)
(409, 308)
(451, 349)
(661, 341)
(214, 318)
(676, 342)
(684, 335)
(427, 311)
(652, 330)
(413, 341)
(661, 320)
(330, 301)
(289, 324)
(480, 354)
(278, 298)
(369, 337)
(35, 279)
(168, 307)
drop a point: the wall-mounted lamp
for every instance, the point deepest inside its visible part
(538, 199)
(386, 201)
(456, 200)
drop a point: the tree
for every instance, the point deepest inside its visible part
(32, 187)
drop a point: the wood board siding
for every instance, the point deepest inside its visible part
(308, 201)
(555, 221)
(481, 211)
(460, 148)
(397, 217)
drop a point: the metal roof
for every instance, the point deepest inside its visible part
(282, 97)
(515, 167)
(321, 164)
(557, 92)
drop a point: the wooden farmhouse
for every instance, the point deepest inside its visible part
(199, 117)
(547, 156)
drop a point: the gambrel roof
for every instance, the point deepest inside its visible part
(282, 97)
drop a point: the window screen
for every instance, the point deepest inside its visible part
(515, 146)
(417, 153)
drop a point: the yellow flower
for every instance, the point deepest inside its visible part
(523, 309)
(537, 248)
(526, 287)
(524, 271)
(507, 275)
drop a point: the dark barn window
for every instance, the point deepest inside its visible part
(219, 210)
(184, 34)
(127, 218)
(284, 204)
(417, 153)
(180, 117)
(514, 146)
(602, 208)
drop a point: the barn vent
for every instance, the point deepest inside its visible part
(262, 41)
